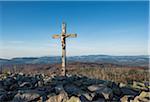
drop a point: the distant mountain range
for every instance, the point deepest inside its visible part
(120, 60)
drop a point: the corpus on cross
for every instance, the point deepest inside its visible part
(63, 37)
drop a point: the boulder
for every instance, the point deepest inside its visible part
(100, 100)
(127, 98)
(107, 93)
(26, 85)
(108, 83)
(116, 90)
(3, 96)
(88, 96)
(144, 94)
(61, 97)
(74, 99)
(143, 97)
(122, 85)
(128, 91)
(140, 86)
(14, 87)
(83, 99)
(7, 96)
(24, 97)
(136, 99)
(94, 88)
(2, 91)
(58, 89)
(52, 97)
(40, 83)
(72, 89)
(8, 82)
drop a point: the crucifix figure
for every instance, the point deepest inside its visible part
(63, 37)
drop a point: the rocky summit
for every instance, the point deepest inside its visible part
(71, 88)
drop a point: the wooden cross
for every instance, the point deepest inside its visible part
(63, 37)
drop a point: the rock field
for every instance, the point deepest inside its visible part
(71, 88)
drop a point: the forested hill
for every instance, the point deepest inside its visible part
(120, 60)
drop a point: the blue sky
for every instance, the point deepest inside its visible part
(112, 27)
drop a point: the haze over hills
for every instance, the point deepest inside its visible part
(141, 60)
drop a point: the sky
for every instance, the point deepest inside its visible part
(111, 28)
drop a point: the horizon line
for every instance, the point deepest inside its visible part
(71, 56)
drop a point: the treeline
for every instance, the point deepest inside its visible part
(104, 71)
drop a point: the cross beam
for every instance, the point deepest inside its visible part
(63, 37)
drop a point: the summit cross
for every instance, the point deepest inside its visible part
(63, 37)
